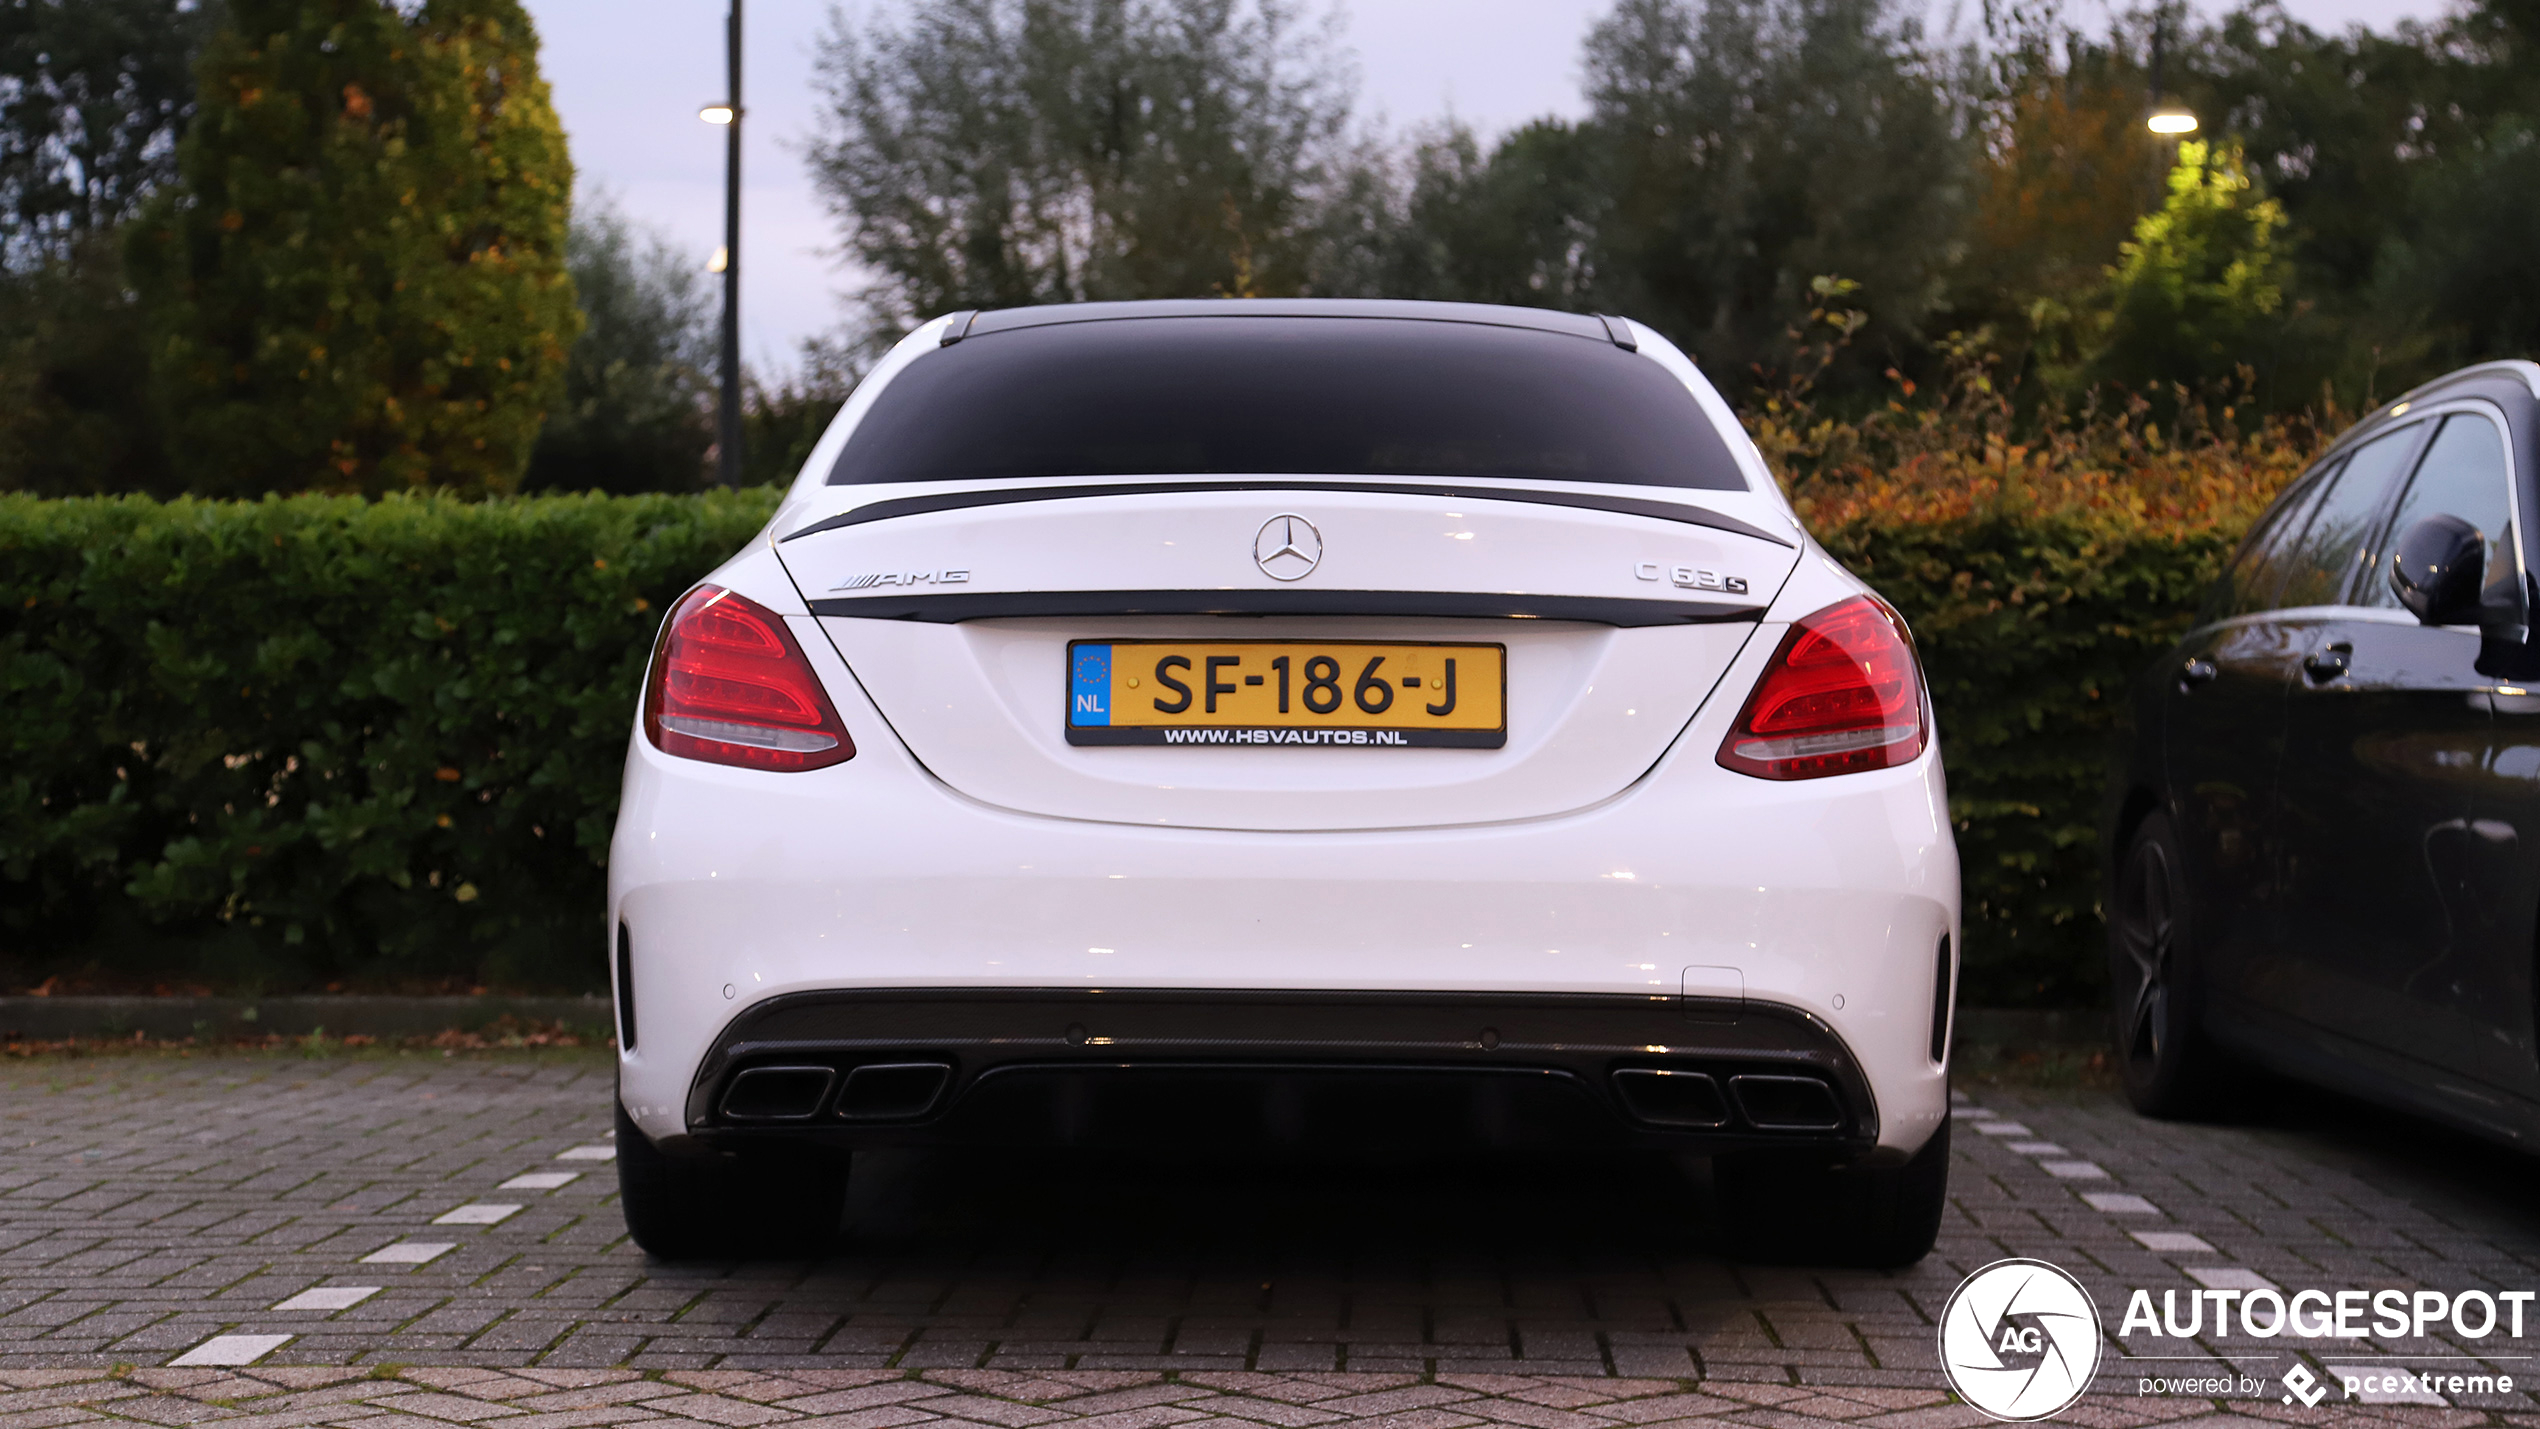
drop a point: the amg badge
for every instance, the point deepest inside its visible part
(903, 578)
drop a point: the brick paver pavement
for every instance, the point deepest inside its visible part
(151, 1204)
(270, 1397)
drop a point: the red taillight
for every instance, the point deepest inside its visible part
(1842, 695)
(730, 686)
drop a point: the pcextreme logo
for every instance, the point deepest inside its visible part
(2019, 1339)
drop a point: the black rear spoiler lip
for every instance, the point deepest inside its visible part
(1582, 500)
(955, 607)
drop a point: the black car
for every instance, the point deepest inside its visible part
(2316, 830)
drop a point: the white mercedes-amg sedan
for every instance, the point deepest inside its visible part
(1302, 725)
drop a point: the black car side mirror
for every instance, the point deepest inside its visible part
(2437, 568)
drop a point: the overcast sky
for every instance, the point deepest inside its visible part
(629, 75)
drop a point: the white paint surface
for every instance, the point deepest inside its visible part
(329, 1297)
(230, 1350)
(541, 1181)
(409, 1253)
(2171, 1241)
(2226, 1277)
(2074, 1170)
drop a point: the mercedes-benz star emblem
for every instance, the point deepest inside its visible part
(1288, 547)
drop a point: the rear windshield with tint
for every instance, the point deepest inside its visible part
(1286, 396)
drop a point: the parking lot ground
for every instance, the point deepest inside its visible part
(455, 1217)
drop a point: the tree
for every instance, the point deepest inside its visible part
(2463, 288)
(1743, 159)
(2065, 170)
(993, 153)
(2355, 135)
(73, 422)
(637, 409)
(2197, 294)
(1516, 227)
(783, 418)
(93, 94)
(1753, 146)
(362, 286)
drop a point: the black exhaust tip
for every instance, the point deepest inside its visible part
(1787, 1103)
(1664, 1098)
(887, 1091)
(777, 1093)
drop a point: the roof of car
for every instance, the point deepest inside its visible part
(2517, 371)
(1482, 314)
(2491, 377)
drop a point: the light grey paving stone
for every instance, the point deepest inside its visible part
(231, 1350)
(410, 1253)
(329, 1297)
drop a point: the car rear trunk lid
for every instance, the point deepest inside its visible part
(1618, 615)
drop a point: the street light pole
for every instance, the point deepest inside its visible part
(2160, 24)
(728, 424)
(2164, 118)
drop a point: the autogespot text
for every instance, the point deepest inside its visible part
(2323, 1315)
(2327, 1315)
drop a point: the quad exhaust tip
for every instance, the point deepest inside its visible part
(1664, 1097)
(777, 1093)
(1786, 1103)
(886, 1091)
(880, 1091)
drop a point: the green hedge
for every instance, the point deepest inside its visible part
(282, 743)
(2032, 628)
(289, 742)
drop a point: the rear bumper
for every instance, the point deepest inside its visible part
(1267, 1068)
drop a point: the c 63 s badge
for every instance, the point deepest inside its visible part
(1691, 577)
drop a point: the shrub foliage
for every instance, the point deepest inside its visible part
(2041, 564)
(313, 738)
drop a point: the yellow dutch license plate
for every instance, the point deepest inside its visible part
(1240, 693)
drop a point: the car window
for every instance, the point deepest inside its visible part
(1271, 395)
(2323, 562)
(2258, 570)
(2463, 475)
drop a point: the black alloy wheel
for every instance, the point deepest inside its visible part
(2167, 1064)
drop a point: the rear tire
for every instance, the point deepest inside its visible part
(723, 1206)
(2170, 1068)
(1798, 1213)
